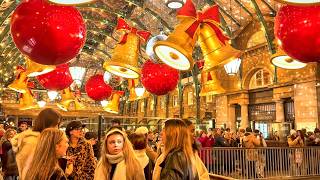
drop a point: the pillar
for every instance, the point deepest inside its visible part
(232, 117)
(244, 116)
(279, 111)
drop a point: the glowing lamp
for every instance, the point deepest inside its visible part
(282, 60)
(151, 43)
(41, 104)
(175, 4)
(232, 67)
(52, 95)
(104, 103)
(77, 74)
(140, 90)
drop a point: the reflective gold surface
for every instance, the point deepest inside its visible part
(27, 102)
(113, 105)
(211, 87)
(35, 69)
(20, 83)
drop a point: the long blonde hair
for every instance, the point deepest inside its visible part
(45, 160)
(177, 136)
(134, 170)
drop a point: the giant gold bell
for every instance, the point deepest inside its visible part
(35, 69)
(124, 61)
(78, 105)
(215, 53)
(212, 86)
(177, 50)
(27, 101)
(113, 105)
(133, 95)
(20, 84)
(67, 98)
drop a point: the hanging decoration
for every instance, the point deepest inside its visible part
(282, 60)
(77, 74)
(112, 80)
(56, 80)
(232, 67)
(149, 47)
(97, 89)
(35, 69)
(71, 2)
(175, 4)
(67, 97)
(113, 105)
(210, 84)
(27, 101)
(159, 79)
(131, 87)
(124, 61)
(20, 84)
(297, 30)
(54, 35)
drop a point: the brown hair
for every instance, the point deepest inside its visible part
(45, 161)
(139, 141)
(46, 118)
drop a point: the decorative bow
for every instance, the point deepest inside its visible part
(121, 93)
(122, 25)
(209, 16)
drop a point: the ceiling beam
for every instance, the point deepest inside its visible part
(243, 7)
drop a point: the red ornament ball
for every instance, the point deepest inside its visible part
(47, 33)
(97, 89)
(298, 30)
(159, 79)
(56, 80)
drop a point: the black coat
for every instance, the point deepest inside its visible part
(9, 164)
(176, 167)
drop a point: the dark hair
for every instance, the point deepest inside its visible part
(228, 129)
(248, 129)
(46, 118)
(23, 122)
(188, 122)
(90, 135)
(256, 131)
(138, 141)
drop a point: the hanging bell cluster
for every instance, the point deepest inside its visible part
(67, 98)
(27, 101)
(20, 84)
(113, 105)
(124, 61)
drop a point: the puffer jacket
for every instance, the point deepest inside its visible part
(24, 145)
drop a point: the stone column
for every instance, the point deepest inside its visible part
(244, 116)
(232, 118)
(279, 111)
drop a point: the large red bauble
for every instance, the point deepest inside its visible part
(56, 80)
(47, 33)
(298, 29)
(97, 89)
(159, 79)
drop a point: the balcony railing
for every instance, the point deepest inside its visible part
(262, 163)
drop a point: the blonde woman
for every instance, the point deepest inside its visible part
(178, 160)
(118, 160)
(52, 145)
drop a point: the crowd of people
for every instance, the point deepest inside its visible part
(45, 152)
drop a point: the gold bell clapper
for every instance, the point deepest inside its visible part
(211, 85)
(176, 50)
(113, 105)
(215, 52)
(27, 101)
(124, 61)
(20, 84)
(34, 69)
(67, 98)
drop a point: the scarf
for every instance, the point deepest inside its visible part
(115, 159)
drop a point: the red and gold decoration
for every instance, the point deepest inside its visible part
(27, 101)
(210, 84)
(159, 79)
(124, 61)
(46, 33)
(282, 60)
(56, 80)
(67, 97)
(297, 30)
(20, 84)
(97, 89)
(36, 69)
(113, 105)
(131, 86)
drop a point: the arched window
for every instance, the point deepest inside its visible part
(256, 39)
(261, 78)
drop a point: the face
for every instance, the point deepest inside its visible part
(93, 141)
(115, 144)
(23, 127)
(11, 134)
(77, 133)
(62, 146)
(150, 136)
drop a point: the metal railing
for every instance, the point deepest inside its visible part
(260, 163)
